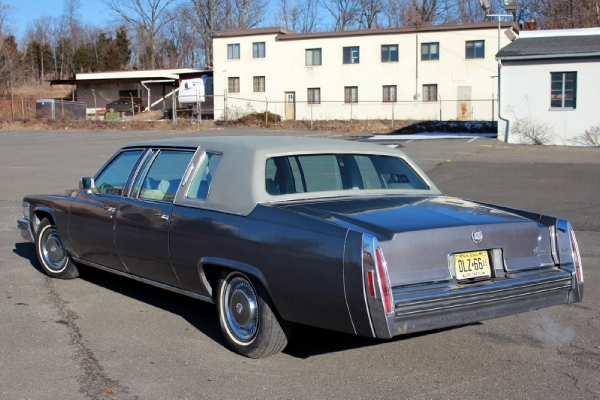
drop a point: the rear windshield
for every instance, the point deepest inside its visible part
(325, 172)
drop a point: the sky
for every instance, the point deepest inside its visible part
(27, 11)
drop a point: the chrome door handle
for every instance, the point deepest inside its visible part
(163, 216)
(111, 209)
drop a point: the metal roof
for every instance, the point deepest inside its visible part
(551, 47)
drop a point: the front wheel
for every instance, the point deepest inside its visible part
(247, 317)
(52, 254)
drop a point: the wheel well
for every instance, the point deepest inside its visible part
(39, 216)
(211, 273)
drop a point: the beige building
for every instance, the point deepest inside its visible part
(426, 73)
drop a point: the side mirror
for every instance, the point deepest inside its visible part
(86, 183)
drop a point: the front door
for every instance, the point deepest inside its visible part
(143, 221)
(290, 105)
(92, 214)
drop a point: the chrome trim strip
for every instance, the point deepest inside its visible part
(145, 280)
(367, 255)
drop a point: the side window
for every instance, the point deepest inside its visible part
(163, 177)
(200, 185)
(112, 179)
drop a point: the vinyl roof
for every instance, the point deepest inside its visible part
(239, 183)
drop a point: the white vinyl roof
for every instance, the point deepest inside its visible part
(239, 183)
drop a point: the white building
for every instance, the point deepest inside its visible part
(549, 84)
(426, 73)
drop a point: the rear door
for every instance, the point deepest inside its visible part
(143, 220)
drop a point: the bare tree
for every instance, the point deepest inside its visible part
(566, 14)
(244, 14)
(147, 17)
(368, 13)
(300, 16)
(344, 13)
(207, 17)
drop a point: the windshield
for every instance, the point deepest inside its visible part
(332, 172)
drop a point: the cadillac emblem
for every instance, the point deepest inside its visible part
(477, 236)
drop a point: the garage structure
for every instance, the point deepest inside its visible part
(549, 84)
(151, 89)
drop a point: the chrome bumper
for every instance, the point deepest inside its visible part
(443, 305)
(25, 226)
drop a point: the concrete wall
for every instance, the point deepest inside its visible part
(525, 95)
(285, 71)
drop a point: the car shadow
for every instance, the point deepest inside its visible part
(306, 341)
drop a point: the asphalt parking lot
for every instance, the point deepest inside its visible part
(107, 337)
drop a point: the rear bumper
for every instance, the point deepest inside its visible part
(443, 305)
(25, 226)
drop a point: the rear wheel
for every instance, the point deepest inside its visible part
(52, 254)
(247, 317)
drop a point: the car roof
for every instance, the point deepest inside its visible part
(239, 183)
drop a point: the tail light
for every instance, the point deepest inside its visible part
(384, 281)
(576, 256)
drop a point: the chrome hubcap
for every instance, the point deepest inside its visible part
(54, 251)
(241, 308)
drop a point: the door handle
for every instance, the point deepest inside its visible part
(111, 209)
(163, 216)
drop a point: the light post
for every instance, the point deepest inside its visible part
(508, 5)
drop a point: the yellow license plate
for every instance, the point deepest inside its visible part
(474, 264)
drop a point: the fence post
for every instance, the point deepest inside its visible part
(392, 115)
(267, 112)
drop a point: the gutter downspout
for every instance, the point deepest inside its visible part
(500, 117)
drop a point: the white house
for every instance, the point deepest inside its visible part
(425, 73)
(549, 86)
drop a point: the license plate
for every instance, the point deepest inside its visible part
(474, 264)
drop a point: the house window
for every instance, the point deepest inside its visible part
(389, 53)
(258, 84)
(429, 92)
(233, 51)
(351, 55)
(313, 56)
(430, 51)
(475, 49)
(258, 50)
(389, 93)
(351, 94)
(233, 85)
(314, 96)
(563, 93)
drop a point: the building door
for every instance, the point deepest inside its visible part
(464, 111)
(290, 105)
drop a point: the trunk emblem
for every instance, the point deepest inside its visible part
(477, 236)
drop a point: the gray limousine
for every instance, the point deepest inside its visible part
(340, 235)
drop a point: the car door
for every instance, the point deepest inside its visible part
(91, 217)
(143, 219)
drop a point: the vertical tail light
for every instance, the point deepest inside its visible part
(576, 256)
(384, 281)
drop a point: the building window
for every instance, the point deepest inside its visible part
(430, 51)
(475, 49)
(258, 50)
(258, 84)
(233, 51)
(389, 53)
(351, 55)
(314, 96)
(351, 94)
(389, 93)
(564, 90)
(429, 92)
(233, 85)
(313, 56)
